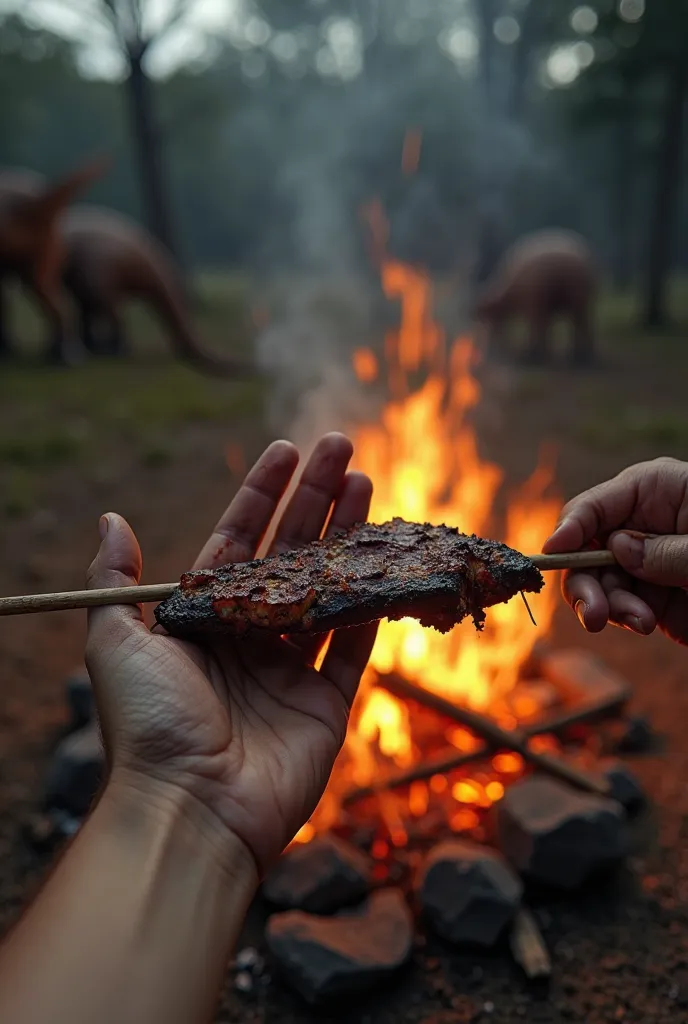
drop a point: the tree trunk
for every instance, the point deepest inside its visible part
(490, 196)
(486, 11)
(623, 182)
(523, 52)
(666, 197)
(149, 155)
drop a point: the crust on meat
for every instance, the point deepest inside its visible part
(394, 570)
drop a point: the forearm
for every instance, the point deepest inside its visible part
(137, 921)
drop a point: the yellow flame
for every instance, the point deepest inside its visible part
(424, 461)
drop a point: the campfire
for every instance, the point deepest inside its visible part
(465, 770)
(475, 762)
(423, 457)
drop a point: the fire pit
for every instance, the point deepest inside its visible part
(476, 769)
(436, 773)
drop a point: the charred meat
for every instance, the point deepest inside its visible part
(396, 570)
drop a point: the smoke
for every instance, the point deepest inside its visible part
(341, 149)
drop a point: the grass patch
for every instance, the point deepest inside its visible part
(18, 493)
(616, 430)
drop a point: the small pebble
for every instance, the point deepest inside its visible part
(247, 959)
(244, 982)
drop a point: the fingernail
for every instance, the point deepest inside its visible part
(630, 550)
(634, 623)
(103, 526)
(580, 610)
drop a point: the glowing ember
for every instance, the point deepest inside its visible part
(423, 458)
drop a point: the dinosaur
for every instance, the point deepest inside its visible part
(543, 277)
(109, 259)
(30, 246)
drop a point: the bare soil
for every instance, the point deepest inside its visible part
(620, 949)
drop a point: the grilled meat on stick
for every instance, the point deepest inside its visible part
(396, 570)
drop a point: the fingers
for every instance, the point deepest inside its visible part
(320, 485)
(353, 503)
(593, 514)
(117, 564)
(352, 506)
(347, 657)
(585, 594)
(659, 560)
(240, 530)
(608, 598)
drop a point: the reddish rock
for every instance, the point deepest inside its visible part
(324, 958)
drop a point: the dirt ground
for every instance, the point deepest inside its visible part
(153, 442)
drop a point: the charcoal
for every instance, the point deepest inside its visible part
(624, 785)
(320, 877)
(637, 736)
(557, 835)
(76, 773)
(80, 700)
(468, 892)
(325, 958)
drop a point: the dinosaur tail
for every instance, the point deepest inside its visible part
(166, 299)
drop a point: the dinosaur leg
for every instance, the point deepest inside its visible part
(64, 348)
(115, 341)
(583, 339)
(88, 328)
(4, 335)
(540, 338)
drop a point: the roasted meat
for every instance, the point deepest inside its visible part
(431, 573)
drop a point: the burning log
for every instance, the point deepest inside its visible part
(494, 735)
(554, 725)
(528, 946)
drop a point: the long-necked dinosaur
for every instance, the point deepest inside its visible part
(544, 276)
(31, 248)
(109, 259)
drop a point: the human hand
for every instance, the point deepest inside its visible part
(246, 728)
(642, 517)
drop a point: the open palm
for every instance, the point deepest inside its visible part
(248, 727)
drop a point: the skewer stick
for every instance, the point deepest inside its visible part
(158, 591)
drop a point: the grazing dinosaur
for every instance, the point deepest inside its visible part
(109, 259)
(30, 246)
(545, 276)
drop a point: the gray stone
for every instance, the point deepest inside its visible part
(76, 772)
(624, 785)
(328, 957)
(557, 835)
(79, 695)
(321, 876)
(468, 892)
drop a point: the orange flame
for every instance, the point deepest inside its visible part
(423, 459)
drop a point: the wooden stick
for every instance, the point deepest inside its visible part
(574, 560)
(442, 766)
(528, 946)
(159, 591)
(503, 739)
(85, 599)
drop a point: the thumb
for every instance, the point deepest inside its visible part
(659, 560)
(117, 564)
